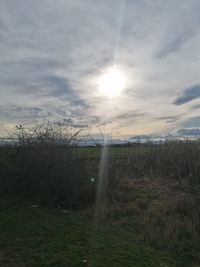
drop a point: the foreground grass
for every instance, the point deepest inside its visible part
(43, 237)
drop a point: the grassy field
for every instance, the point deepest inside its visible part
(151, 225)
(53, 213)
(37, 237)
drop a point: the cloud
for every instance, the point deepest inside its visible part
(52, 85)
(189, 131)
(64, 122)
(191, 122)
(175, 44)
(129, 118)
(196, 107)
(188, 95)
(70, 123)
(30, 75)
(17, 112)
(169, 119)
(52, 53)
(130, 115)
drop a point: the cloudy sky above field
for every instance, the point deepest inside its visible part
(52, 54)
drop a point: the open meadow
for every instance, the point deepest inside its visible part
(58, 209)
(100, 133)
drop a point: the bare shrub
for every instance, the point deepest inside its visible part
(42, 163)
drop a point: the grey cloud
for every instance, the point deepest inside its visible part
(57, 110)
(129, 118)
(50, 50)
(169, 119)
(3, 28)
(70, 123)
(68, 111)
(64, 122)
(196, 107)
(67, 120)
(191, 122)
(32, 64)
(80, 125)
(175, 44)
(188, 95)
(189, 131)
(131, 115)
(56, 86)
(27, 75)
(18, 112)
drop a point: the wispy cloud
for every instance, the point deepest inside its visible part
(188, 94)
(196, 107)
(170, 119)
(189, 131)
(52, 53)
(18, 112)
(191, 122)
(176, 43)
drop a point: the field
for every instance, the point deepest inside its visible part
(36, 236)
(49, 238)
(148, 215)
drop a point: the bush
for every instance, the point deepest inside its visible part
(42, 164)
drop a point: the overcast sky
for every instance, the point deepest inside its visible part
(53, 52)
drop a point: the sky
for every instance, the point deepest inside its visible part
(52, 54)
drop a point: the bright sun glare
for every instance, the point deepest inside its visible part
(112, 82)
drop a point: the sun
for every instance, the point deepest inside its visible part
(112, 82)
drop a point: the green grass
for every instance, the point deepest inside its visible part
(95, 152)
(39, 237)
